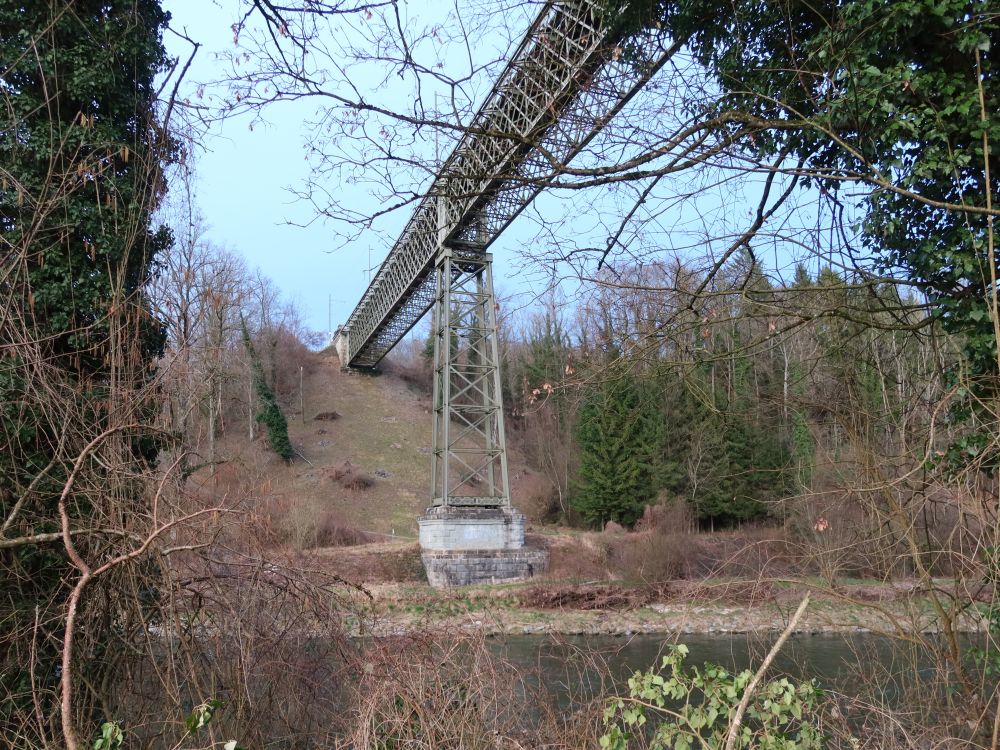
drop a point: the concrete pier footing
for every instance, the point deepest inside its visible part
(461, 546)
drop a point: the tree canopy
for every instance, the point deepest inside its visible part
(888, 108)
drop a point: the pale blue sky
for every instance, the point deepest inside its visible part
(242, 178)
(244, 171)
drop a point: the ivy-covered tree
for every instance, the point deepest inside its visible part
(619, 435)
(269, 412)
(80, 174)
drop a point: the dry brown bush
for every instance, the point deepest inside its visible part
(332, 531)
(434, 692)
(585, 597)
(836, 537)
(289, 357)
(268, 521)
(662, 547)
(656, 555)
(367, 564)
(536, 497)
(275, 654)
(357, 482)
(408, 363)
(671, 515)
(752, 591)
(345, 469)
(752, 552)
(454, 692)
(279, 522)
(348, 476)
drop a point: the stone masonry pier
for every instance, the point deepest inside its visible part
(462, 546)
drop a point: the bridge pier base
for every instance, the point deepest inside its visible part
(463, 546)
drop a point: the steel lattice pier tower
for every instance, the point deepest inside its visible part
(469, 447)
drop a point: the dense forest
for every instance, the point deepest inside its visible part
(761, 393)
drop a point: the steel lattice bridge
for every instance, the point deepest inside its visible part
(566, 80)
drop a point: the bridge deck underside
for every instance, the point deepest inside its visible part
(565, 81)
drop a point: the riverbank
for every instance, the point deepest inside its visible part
(755, 598)
(720, 607)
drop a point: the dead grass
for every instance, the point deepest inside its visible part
(383, 431)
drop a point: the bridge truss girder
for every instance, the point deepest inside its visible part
(562, 85)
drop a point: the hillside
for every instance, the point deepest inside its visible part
(374, 426)
(382, 432)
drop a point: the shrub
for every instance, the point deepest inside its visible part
(357, 482)
(449, 692)
(694, 708)
(409, 364)
(330, 530)
(305, 526)
(585, 597)
(669, 515)
(537, 497)
(348, 476)
(656, 555)
(342, 471)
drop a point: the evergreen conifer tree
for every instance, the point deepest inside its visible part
(620, 437)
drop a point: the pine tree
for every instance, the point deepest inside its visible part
(725, 466)
(619, 436)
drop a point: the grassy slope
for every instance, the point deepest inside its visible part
(384, 428)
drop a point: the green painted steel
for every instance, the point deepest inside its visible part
(470, 456)
(566, 80)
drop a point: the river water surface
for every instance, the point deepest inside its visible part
(839, 662)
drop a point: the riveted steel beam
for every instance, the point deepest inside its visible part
(470, 456)
(564, 82)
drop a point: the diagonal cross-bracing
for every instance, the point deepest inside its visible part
(470, 457)
(566, 79)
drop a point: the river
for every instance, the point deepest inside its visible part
(837, 661)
